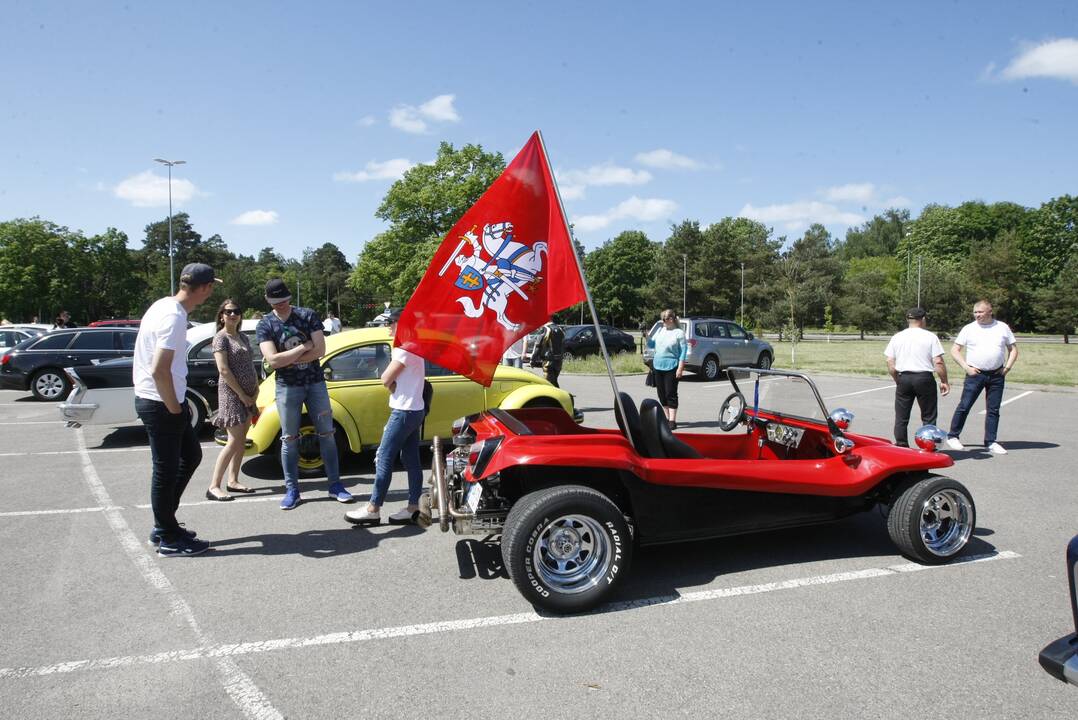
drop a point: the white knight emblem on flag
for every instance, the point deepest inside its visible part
(509, 266)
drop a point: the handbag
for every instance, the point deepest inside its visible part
(649, 379)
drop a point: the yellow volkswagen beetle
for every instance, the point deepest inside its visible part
(353, 363)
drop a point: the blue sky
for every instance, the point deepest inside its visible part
(295, 118)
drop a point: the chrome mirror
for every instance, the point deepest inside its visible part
(928, 437)
(842, 418)
(843, 445)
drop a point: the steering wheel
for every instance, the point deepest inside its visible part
(732, 412)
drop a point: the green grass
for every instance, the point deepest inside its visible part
(1038, 363)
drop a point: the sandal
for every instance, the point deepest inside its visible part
(240, 489)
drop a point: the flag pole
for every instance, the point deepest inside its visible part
(587, 294)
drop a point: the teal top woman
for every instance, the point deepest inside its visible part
(671, 349)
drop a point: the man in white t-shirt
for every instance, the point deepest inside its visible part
(331, 324)
(991, 352)
(912, 356)
(404, 377)
(160, 377)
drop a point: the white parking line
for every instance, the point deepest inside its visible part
(434, 628)
(144, 448)
(244, 693)
(859, 392)
(1016, 397)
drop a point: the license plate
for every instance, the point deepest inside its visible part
(471, 499)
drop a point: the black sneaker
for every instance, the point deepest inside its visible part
(155, 534)
(185, 547)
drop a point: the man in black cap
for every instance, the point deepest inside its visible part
(912, 355)
(292, 340)
(160, 377)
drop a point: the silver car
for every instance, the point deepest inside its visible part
(715, 343)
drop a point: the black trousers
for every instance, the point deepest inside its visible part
(919, 385)
(176, 455)
(553, 370)
(666, 386)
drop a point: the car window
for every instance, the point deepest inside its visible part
(7, 338)
(94, 341)
(584, 335)
(435, 370)
(127, 340)
(203, 351)
(703, 329)
(735, 331)
(53, 342)
(256, 349)
(366, 362)
(718, 330)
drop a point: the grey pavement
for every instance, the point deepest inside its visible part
(300, 615)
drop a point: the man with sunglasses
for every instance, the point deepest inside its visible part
(292, 341)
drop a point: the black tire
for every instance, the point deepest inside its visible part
(764, 361)
(50, 385)
(596, 546)
(567, 356)
(310, 454)
(198, 411)
(542, 402)
(711, 367)
(932, 519)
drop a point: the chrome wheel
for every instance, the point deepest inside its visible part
(49, 385)
(765, 362)
(946, 522)
(711, 367)
(572, 554)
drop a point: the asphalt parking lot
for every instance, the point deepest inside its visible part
(301, 615)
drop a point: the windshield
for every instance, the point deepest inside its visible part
(781, 393)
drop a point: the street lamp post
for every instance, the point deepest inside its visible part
(171, 262)
(742, 323)
(684, 282)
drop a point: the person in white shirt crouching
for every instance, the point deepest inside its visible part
(912, 356)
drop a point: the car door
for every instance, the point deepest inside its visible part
(90, 348)
(353, 378)
(583, 343)
(202, 373)
(454, 396)
(740, 347)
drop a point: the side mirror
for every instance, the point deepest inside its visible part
(750, 335)
(842, 418)
(327, 372)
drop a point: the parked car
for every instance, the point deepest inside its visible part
(37, 364)
(382, 318)
(581, 341)
(714, 344)
(571, 503)
(116, 322)
(104, 394)
(353, 364)
(1060, 659)
(32, 328)
(12, 336)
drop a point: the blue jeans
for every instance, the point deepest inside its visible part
(290, 402)
(400, 437)
(176, 454)
(992, 383)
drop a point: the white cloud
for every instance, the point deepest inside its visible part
(801, 214)
(412, 119)
(667, 160)
(1053, 59)
(899, 201)
(851, 192)
(255, 217)
(388, 170)
(635, 208)
(574, 183)
(367, 121)
(149, 190)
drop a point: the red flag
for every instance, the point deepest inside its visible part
(503, 270)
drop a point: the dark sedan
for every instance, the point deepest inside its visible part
(581, 341)
(38, 364)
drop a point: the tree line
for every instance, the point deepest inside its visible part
(1025, 260)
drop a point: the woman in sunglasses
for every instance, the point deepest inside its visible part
(236, 391)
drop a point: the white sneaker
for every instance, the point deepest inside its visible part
(997, 449)
(954, 444)
(404, 516)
